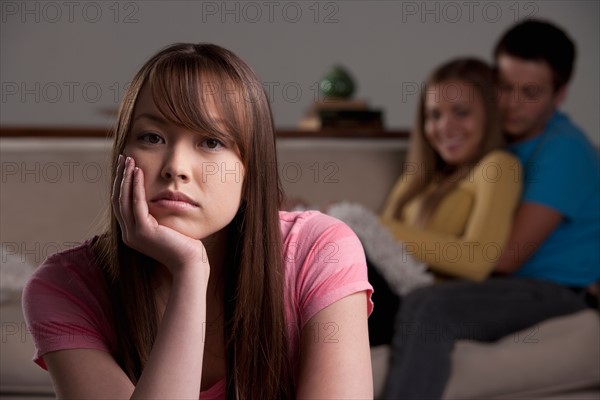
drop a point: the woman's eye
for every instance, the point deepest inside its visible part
(152, 138)
(432, 115)
(462, 112)
(212, 144)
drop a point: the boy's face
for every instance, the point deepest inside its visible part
(527, 96)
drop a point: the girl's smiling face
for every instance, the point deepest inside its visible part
(193, 180)
(454, 121)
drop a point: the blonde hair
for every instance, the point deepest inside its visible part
(423, 156)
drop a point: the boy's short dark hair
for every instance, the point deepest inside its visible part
(539, 40)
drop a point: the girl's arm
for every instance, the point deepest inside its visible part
(474, 254)
(172, 371)
(335, 359)
(174, 367)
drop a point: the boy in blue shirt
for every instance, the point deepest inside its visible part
(553, 253)
(556, 232)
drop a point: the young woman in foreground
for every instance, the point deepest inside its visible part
(201, 287)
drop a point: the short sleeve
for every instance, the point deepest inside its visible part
(326, 262)
(555, 174)
(63, 305)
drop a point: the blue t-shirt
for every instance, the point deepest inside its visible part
(562, 171)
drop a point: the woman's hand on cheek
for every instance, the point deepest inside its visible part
(142, 232)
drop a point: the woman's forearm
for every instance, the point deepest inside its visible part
(174, 367)
(447, 254)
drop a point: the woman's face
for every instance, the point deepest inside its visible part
(193, 182)
(454, 121)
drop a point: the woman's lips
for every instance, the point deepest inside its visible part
(174, 201)
(452, 145)
(174, 204)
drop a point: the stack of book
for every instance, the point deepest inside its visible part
(342, 114)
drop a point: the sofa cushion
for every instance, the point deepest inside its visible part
(18, 373)
(558, 355)
(550, 359)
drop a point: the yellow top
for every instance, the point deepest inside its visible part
(466, 233)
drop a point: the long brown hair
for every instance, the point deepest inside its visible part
(181, 77)
(422, 156)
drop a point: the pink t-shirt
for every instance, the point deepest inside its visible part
(66, 306)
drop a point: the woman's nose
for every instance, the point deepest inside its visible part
(176, 167)
(445, 125)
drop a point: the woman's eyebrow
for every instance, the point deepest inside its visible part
(152, 117)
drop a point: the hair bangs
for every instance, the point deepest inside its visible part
(191, 94)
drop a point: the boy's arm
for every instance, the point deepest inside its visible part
(533, 224)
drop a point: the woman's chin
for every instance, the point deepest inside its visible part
(184, 228)
(195, 228)
(458, 158)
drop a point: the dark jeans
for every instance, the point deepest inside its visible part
(381, 320)
(432, 319)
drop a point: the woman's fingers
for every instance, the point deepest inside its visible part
(139, 204)
(116, 192)
(140, 230)
(125, 197)
(133, 214)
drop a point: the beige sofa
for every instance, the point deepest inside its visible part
(556, 359)
(53, 196)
